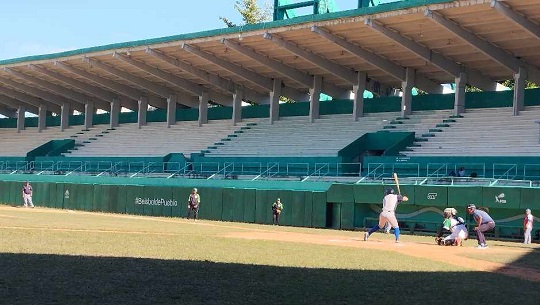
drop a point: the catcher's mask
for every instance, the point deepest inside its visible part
(389, 191)
(449, 212)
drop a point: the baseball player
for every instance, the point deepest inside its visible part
(527, 226)
(277, 207)
(193, 204)
(27, 195)
(484, 223)
(454, 224)
(390, 202)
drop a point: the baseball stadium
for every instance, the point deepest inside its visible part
(285, 138)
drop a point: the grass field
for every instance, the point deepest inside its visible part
(65, 257)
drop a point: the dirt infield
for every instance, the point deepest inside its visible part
(449, 255)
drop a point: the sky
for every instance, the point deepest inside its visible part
(33, 27)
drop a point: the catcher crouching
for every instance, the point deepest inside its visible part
(457, 227)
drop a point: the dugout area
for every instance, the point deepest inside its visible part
(325, 205)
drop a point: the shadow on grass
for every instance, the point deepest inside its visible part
(56, 279)
(531, 261)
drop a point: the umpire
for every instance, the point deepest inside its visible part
(484, 223)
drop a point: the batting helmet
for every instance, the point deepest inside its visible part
(388, 191)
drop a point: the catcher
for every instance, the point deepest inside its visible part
(277, 207)
(456, 225)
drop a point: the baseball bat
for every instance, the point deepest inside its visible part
(396, 180)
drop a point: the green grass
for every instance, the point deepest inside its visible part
(51, 257)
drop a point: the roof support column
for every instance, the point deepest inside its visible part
(406, 88)
(203, 108)
(171, 110)
(358, 91)
(237, 106)
(459, 97)
(314, 98)
(42, 118)
(115, 113)
(88, 115)
(20, 118)
(519, 90)
(143, 109)
(274, 100)
(65, 111)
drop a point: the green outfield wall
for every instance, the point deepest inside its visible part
(319, 205)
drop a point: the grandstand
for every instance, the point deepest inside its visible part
(155, 139)
(18, 144)
(189, 93)
(291, 136)
(486, 132)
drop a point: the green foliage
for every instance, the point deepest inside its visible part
(510, 84)
(251, 12)
(470, 88)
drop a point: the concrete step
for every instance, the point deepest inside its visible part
(435, 130)
(442, 125)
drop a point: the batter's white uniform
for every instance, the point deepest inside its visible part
(458, 230)
(388, 214)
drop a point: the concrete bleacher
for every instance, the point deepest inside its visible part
(18, 144)
(420, 122)
(155, 139)
(295, 136)
(486, 132)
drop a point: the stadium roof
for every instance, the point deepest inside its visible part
(488, 40)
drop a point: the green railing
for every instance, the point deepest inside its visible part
(287, 9)
(434, 173)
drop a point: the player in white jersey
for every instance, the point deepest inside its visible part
(390, 202)
(528, 226)
(27, 195)
(456, 226)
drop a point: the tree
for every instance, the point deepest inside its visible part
(510, 84)
(471, 88)
(251, 13)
